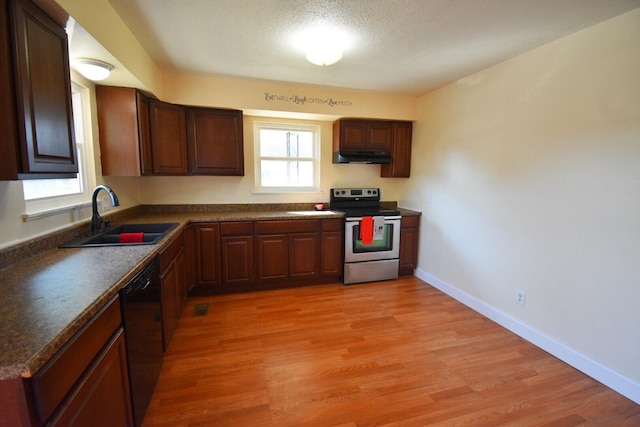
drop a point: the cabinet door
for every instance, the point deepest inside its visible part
(409, 236)
(181, 288)
(332, 246)
(43, 94)
(10, 160)
(208, 255)
(400, 167)
(123, 122)
(144, 134)
(380, 135)
(168, 138)
(237, 261)
(304, 256)
(215, 141)
(190, 260)
(273, 257)
(102, 397)
(331, 260)
(169, 283)
(353, 134)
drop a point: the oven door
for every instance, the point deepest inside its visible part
(386, 248)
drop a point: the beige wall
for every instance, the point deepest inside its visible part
(528, 176)
(99, 19)
(12, 205)
(217, 189)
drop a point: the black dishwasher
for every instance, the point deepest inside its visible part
(143, 334)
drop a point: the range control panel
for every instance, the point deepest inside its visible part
(355, 193)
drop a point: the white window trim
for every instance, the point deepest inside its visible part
(258, 188)
(55, 205)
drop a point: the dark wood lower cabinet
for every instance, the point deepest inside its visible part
(304, 256)
(409, 236)
(172, 285)
(288, 257)
(273, 258)
(102, 398)
(86, 383)
(332, 247)
(237, 260)
(207, 259)
(238, 256)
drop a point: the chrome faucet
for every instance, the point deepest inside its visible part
(96, 219)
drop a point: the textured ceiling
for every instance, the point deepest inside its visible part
(400, 46)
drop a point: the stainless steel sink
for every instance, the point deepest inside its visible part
(152, 234)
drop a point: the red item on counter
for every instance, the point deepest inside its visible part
(131, 237)
(366, 230)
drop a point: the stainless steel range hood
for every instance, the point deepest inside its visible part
(373, 157)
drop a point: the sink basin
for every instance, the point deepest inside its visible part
(152, 234)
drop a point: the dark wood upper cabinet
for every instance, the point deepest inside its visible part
(215, 141)
(125, 140)
(168, 138)
(37, 123)
(140, 135)
(400, 166)
(356, 134)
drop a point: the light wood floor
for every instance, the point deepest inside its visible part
(397, 353)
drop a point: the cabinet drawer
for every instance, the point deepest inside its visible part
(286, 226)
(410, 222)
(332, 224)
(169, 253)
(236, 228)
(52, 383)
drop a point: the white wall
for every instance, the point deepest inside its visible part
(528, 176)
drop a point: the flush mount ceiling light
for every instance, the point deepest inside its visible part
(324, 55)
(93, 69)
(323, 45)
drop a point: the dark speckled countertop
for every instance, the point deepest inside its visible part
(45, 298)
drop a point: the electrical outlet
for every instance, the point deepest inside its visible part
(521, 297)
(105, 203)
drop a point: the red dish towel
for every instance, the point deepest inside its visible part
(366, 230)
(131, 237)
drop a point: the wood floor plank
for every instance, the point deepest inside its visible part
(396, 353)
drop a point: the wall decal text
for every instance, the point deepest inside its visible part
(297, 99)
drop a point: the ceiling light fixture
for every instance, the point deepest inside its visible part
(324, 55)
(323, 45)
(93, 69)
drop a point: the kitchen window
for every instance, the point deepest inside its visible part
(287, 158)
(45, 197)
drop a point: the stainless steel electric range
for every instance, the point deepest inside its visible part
(371, 235)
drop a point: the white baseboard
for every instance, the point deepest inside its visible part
(595, 370)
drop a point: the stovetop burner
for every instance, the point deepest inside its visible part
(355, 212)
(359, 202)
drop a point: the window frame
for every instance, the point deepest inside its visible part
(315, 159)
